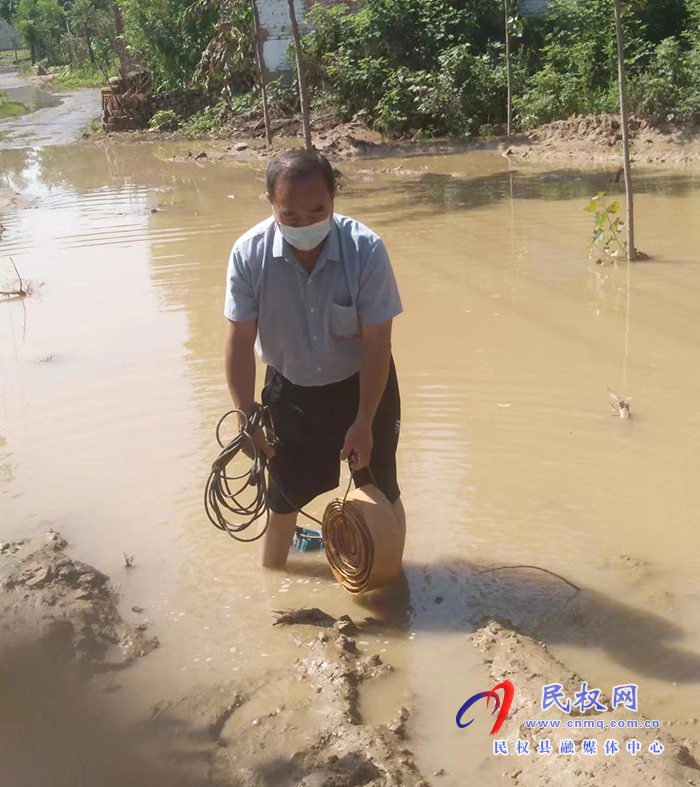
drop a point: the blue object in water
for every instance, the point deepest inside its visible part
(307, 540)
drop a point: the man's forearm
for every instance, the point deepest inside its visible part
(373, 378)
(239, 359)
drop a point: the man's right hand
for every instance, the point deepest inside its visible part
(260, 443)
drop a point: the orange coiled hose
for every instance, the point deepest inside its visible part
(362, 540)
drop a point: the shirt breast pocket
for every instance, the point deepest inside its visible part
(344, 321)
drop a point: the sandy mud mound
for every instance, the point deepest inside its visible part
(529, 665)
(598, 139)
(70, 607)
(250, 739)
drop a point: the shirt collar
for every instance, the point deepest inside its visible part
(331, 249)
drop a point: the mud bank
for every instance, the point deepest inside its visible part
(597, 139)
(579, 140)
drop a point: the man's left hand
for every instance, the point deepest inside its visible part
(359, 441)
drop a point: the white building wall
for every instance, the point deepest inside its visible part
(533, 6)
(6, 35)
(277, 35)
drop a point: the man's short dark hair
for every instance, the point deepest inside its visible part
(297, 166)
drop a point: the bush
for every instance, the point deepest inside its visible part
(87, 76)
(168, 39)
(670, 88)
(396, 61)
(207, 122)
(165, 120)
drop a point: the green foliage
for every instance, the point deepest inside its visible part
(227, 61)
(606, 244)
(578, 68)
(412, 65)
(165, 120)
(85, 76)
(169, 39)
(669, 88)
(94, 37)
(77, 32)
(8, 8)
(42, 23)
(208, 122)
(692, 8)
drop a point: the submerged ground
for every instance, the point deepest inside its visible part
(111, 384)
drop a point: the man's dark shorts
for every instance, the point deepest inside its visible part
(311, 423)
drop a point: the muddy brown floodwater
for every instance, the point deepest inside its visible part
(111, 385)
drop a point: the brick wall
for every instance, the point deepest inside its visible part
(130, 106)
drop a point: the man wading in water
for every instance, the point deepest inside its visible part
(314, 292)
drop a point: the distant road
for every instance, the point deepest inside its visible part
(57, 125)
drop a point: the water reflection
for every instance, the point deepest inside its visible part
(434, 193)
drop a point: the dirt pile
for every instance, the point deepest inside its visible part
(598, 139)
(597, 129)
(529, 665)
(66, 605)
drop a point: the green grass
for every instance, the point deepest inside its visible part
(87, 76)
(9, 109)
(7, 57)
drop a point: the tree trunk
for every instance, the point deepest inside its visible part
(32, 52)
(71, 46)
(261, 72)
(631, 249)
(88, 41)
(509, 67)
(121, 44)
(301, 75)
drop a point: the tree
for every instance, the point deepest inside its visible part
(15, 41)
(509, 66)
(513, 29)
(631, 250)
(301, 76)
(8, 8)
(226, 63)
(168, 38)
(41, 23)
(84, 18)
(261, 71)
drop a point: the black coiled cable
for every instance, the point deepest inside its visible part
(222, 492)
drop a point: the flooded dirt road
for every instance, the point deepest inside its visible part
(55, 119)
(111, 384)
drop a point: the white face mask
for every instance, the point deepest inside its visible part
(306, 238)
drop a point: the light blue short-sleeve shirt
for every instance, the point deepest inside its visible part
(309, 324)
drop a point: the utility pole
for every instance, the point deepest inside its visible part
(509, 66)
(261, 71)
(631, 249)
(301, 75)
